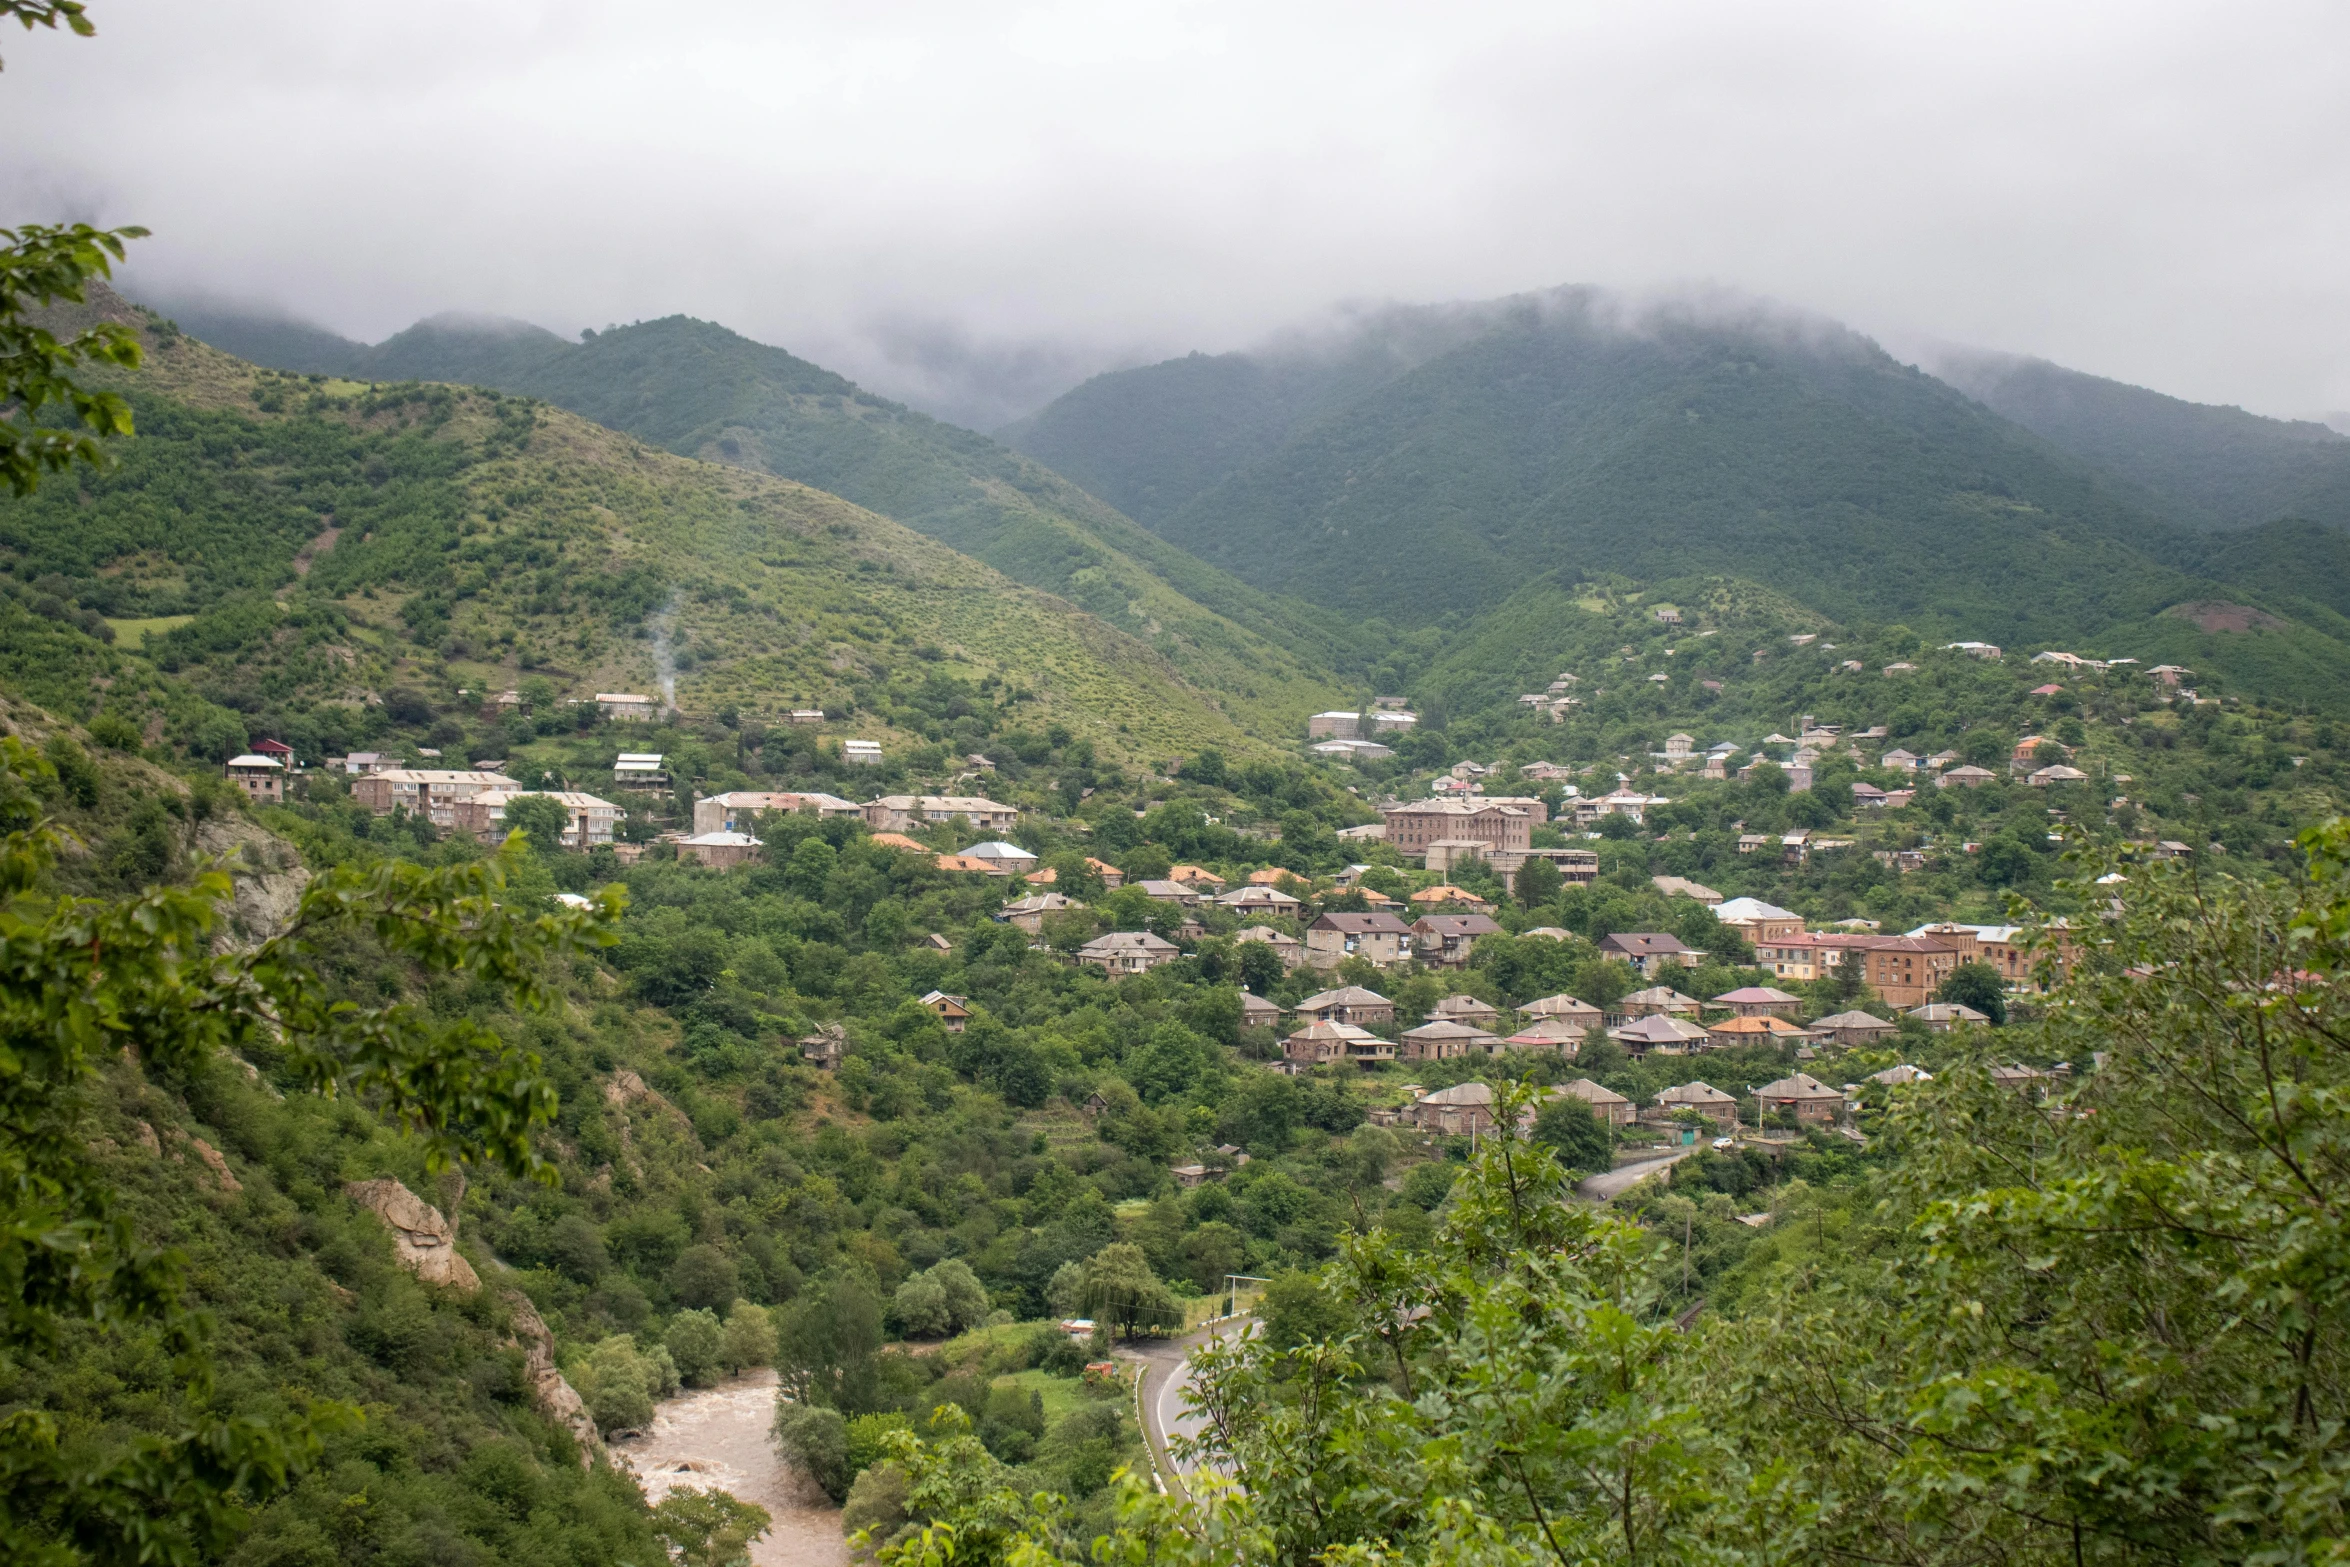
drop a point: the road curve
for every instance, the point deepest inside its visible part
(1614, 1183)
(1166, 1374)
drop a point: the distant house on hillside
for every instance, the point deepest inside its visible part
(1128, 952)
(1347, 1004)
(1647, 951)
(1380, 939)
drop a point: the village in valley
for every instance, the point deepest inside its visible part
(1420, 953)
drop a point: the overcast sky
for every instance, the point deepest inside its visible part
(971, 205)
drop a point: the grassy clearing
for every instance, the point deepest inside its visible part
(131, 633)
(1062, 1395)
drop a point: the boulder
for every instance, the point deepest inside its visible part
(425, 1243)
(557, 1399)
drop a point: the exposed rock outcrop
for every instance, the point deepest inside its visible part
(425, 1242)
(220, 1170)
(266, 874)
(555, 1396)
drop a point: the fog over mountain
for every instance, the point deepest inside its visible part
(973, 210)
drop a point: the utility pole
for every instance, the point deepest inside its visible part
(1687, 1221)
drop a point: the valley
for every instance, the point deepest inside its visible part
(1707, 842)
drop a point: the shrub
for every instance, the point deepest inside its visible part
(698, 1344)
(750, 1337)
(816, 1439)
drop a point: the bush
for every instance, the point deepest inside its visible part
(816, 1439)
(750, 1337)
(697, 1344)
(865, 1434)
(877, 1503)
(115, 732)
(621, 1382)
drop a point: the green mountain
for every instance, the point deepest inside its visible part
(700, 390)
(1567, 440)
(2206, 466)
(296, 549)
(1148, 440)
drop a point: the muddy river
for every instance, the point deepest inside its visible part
(716, 1439)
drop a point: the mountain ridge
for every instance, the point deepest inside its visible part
(1578, 436)
(702, 390)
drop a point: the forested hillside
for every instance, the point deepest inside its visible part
(2205, 466)
(299, 551)
(1147, 440)
(1569, 440)
(696, 388)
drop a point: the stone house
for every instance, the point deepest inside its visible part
(1128, 952)
(1347, 1004)
(898, 812)
(1380, 939)
(1463, 1110)
(1759, 1001)
(432, 793)
(1445, 940)
(483, 815)
(1649, 952)
(1606, 1103)
(719, 850)
(1806, 1096)
(263, 778)
(1441, 1040)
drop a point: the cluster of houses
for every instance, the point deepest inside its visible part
(1467, 1109)
(1353, 1024)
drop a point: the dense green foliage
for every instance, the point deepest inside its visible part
(2205, 466)
(88, 978)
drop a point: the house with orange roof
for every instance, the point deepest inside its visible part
(1447, 896)
(898, 840)
(968, 862)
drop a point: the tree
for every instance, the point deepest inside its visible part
(542, 819)
(1579, 1138)
(1976, 985)
(705, 1277)
(1982, 748)
(815, 1438)
(1538, 883)
(750, 1337)
(944, 1300)
(167, 986)
(2003, 862)
(42, 265)
(826, 1342)
(708, 1528)
(1122, 1292)
(697, 1345)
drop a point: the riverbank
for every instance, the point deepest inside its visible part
(716, 1439)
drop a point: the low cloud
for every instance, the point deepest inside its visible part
(966, 206)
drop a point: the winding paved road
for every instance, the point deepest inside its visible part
(1166, 1377)
(1614, 1183)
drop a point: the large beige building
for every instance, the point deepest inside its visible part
(484, 815)
(737, 809)
(1413, 828)
(897, 812)
(430, 792)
